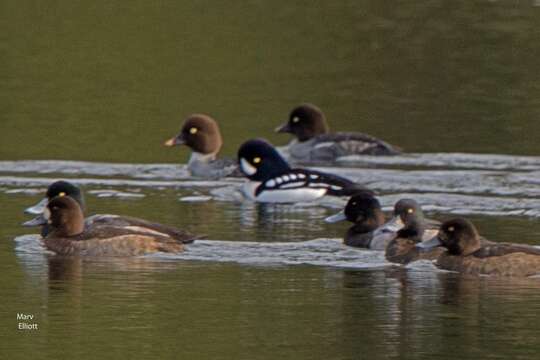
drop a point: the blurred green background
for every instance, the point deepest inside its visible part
(109, 81)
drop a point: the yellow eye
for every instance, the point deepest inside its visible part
(62, 194)
(451, 229)
(193, 130)
(257, 160)
(295, 119)
(410, 211)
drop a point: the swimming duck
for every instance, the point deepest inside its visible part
(68, 234)
(466, 252)
(273, 180)
(369, 229)
(201, 133)
(314, 143)
(63, 188)
(409, 227)
(364, 210)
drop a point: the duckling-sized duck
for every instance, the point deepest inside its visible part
(409, 228)
(273, 180)
(314, 143)
(202, 135)
(364, 210)
(63, 188)
(68, 234)
(466, 253)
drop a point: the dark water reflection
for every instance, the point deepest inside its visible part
(110, 81)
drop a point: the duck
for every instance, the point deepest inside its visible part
(69, 234)
(201, 134)
(313, 142)
(365, 212)
(408, 228)
(271, 179)
(370, 230)
(467, 253)
(63, 188)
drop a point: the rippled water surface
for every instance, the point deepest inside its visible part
(89, 92)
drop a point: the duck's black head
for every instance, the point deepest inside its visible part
(305, 122)
(63, 217)
(362, 209)
(58, 189)
(200, 133)
(459, 236)
(259, 160)
(364, 206)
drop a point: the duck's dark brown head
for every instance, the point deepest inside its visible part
(200, 133)
(459, 236)
(305, 122)
(64, 217)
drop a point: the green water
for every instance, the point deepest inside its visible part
(104, 81)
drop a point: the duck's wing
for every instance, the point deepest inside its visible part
(500, 249)
(512, 264)
(354, 143)
(336, 185)
(128, 223)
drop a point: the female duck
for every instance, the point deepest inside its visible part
(66, 189)
(314, 143)
(409, 229)
(273, 180)
(68, 234)
(466, 252)
(201, 134)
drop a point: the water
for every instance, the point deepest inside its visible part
(89, 92)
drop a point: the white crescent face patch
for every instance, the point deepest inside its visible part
(247, 168)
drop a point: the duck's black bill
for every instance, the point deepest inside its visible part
(285, 128)
(175, 141)
(37, 221)
(430, 244)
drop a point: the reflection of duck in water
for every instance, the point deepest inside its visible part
(466, 253)
(69, 235)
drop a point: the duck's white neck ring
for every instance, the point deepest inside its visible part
(247, 168)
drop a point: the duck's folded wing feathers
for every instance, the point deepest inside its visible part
(139, 226)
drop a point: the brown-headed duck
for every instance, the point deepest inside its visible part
(68, 234)
(467, 253)
(201, 134)
(314, 143)
(65, 188)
